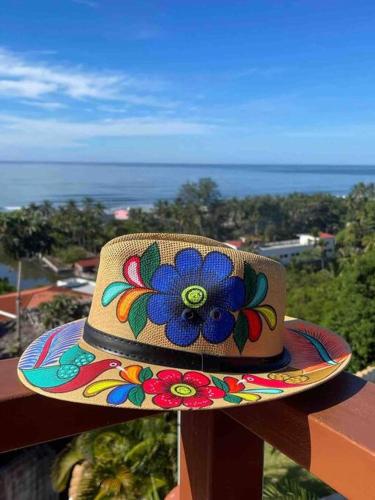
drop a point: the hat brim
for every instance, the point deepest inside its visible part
(61, 365)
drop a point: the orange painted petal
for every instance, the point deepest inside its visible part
(131, 373)
(126, 301)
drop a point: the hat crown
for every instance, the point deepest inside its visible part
(189, 293)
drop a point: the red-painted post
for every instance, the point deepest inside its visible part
(219, 460)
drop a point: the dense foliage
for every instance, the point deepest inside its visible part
(137, 459)
(70, 230)
(62, 309)
(338, 294)
(5, 286)
(200, 209)
(132, 460)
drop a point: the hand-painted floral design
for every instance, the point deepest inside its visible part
(129, 388)
(136, 290)
(172, 389)
(197, 295)
(57, 364)
(236, 391)
(249, 322)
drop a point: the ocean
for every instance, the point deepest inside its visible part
(130, 184)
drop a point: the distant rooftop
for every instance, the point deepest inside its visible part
(303, 239)
(274, 244)
(236, 244)
(89, 262)
(326, 236)
(121, 214)
(33, 298)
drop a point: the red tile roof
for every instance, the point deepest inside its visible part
(235, 243)
(89, 262)
(34, 297)
(326, 236)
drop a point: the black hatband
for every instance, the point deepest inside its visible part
(147, 353)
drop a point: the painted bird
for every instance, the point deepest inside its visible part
(265, 382)
(75, 370)
(58, 364)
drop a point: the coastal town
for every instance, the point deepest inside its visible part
(326, 243)
(187, 250)
(76, 281)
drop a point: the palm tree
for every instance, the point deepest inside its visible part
(135, 460)
(94, 462)
(24, 233)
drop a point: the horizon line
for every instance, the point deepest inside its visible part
(168, 163)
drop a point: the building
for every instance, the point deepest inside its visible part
(80, 285)
(32, 298)
(235, 244)
(86, 268)
(55, 264)
(284, 251)
(121, 214)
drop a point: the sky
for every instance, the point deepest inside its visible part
(212, 81)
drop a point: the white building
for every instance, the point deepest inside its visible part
(284, 251)
(78, 285)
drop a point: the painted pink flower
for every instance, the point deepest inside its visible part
(173, 388)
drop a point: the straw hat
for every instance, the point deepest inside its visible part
(182, 322)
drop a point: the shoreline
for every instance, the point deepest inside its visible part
(110, 209)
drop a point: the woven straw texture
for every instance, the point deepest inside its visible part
(188, 293)
(117, 251)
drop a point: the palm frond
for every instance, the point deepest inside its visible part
(63, 465)
(140, 450)
(287, 489)
(87, 485)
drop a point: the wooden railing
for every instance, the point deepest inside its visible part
(329, 430)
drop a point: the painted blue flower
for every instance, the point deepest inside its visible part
(196, 296)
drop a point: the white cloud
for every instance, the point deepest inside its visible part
(25, 88)
(47, 133)
(49, 105)
(29, 79)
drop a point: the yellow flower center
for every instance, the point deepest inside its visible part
(194, 296)
(183, 390)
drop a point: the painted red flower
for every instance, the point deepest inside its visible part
(173, 388)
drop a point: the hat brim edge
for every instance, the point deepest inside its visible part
(142, 387)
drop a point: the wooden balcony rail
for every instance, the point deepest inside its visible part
(329, 430)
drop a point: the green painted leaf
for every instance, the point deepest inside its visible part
(240, 332)
(137, 396)
(138, 314)
(150, 261)
(113, 290)
(229, 398)
(220, 383)
(145, 374)
(250, 277)
(261, 291)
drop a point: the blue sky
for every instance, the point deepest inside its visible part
(188, 81)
